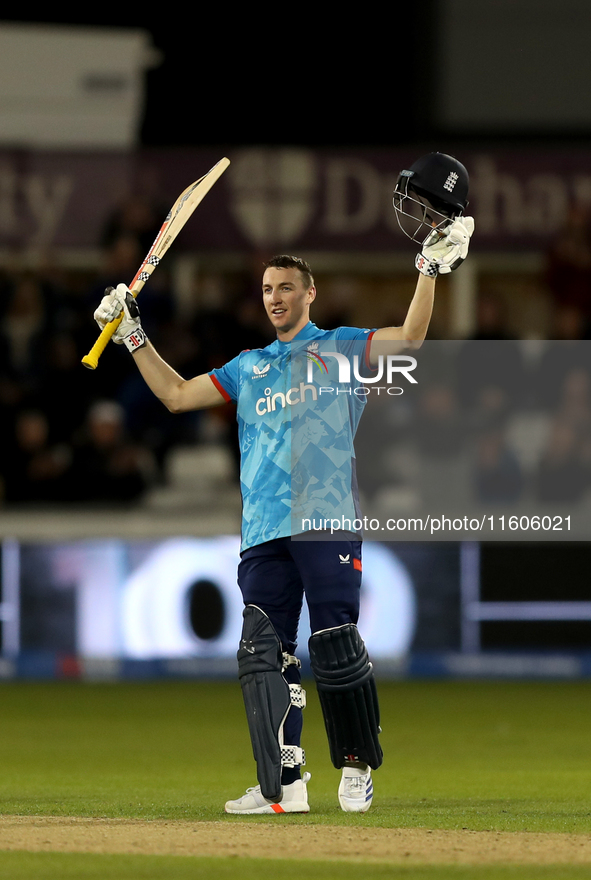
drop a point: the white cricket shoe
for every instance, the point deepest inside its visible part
(356, 788)
(293, 800)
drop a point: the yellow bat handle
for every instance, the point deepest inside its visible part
(174, 222)
(91, 360)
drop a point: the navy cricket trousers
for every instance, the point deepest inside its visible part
(278, 574)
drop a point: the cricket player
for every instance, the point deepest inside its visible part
(297, 455)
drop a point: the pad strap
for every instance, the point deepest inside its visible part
(290, 660)
(292, 756)
(297, 695)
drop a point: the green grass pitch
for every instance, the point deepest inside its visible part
(497, 756)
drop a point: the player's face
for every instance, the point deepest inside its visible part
(286, 300)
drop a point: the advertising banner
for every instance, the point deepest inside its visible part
(280, 198)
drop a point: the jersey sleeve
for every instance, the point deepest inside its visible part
(225, 379)
(355, 340)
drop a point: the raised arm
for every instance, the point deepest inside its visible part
(177, 394)
(412, 333)
(441, 254)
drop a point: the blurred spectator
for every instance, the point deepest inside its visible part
(438, 428)
(220, 334)
(150, 424)
(567, 322)
(560, 359)
(121, 260)
(24, 327)
(574, 406)
(491, 317)
(491, 361)
(491, 410)
(136, 217)
(563, 472)
(565, 467)
(107, 466)
(64, 384)
(498, 476)
(36, 470)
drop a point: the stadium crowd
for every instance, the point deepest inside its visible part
(71, 435)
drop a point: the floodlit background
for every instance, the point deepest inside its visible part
(119, 521)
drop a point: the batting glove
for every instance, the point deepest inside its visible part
(121, 301)
(445, 250)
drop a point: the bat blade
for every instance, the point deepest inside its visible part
(175, 220)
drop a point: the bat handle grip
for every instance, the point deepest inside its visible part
(91, 360)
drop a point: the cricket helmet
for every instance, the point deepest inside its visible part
(430, 194)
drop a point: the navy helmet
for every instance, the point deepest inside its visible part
(430, 195)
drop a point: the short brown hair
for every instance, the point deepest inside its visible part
(285, 261)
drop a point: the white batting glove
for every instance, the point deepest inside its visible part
(117, 301)
(443, 251)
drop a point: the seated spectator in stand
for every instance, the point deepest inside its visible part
(136, 216)
(63, 383)
(438, 428)
(491, 357)
(565, 467)
(498, 476)
(563, 473)
(574, 406)
(565, 351)
(36, 469)
(491, 317)
(567, 323)
(24, 327)
(107, 467)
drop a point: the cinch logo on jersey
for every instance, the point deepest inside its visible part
(270, 401)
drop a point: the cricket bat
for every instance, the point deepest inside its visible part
(174, 222)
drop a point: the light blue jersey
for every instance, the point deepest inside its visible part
(297, 415)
